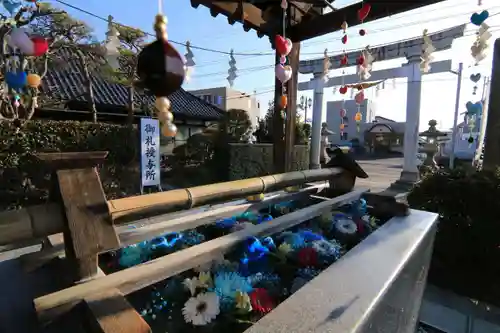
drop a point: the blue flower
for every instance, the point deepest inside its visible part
(254, 250)
(168, 241)
(295, 240)
(310, 236)
(264, 218)
(226, 223)
(133, 255)
(227, 284)
(269, 243)
(192, 237)
(358, 208)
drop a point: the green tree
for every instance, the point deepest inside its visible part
(72, 38)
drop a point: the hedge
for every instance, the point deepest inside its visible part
(467, 248)
(24, 181)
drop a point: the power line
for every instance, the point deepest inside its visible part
(251, 70)
(204, 48)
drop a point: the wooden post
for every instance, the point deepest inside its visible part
(291, 109)
(88, 227)
(492, 136)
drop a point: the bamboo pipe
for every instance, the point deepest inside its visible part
(141, 276)
(43, 220)
(156, 203)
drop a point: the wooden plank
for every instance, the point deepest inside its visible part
(110, 312)
(72, 160)
(90, 230)
(138, 277)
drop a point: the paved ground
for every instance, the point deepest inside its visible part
(382, 173)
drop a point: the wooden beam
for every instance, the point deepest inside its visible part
(141, 276)
(291, 108)
(250, 15)
(331, 22)
(491, 159)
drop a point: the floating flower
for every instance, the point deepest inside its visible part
(243, 302)
(346, 226)
(284, 249)
(191, 285)
(133, 255)
(307, 257)
(167, 241)
(310, 236)
(227, 284)
(327, 248)
(269, 243)
(254, 250)
(261, 301)
(264, 218)
(205, 279)
(202, 309)
(295, 240)
(192, 237)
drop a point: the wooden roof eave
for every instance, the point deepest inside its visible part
(331, 22)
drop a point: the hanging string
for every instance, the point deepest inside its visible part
(160, 7)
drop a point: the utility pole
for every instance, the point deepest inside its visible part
(455, 118)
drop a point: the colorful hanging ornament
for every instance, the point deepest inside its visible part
(427, 50)
(478, 49)
(283, 101)
(326, 66)
(343, 114)
(112, 45)
(33, 80)
(357, 119)
(160, 67)
(12, 6)
(359, 98)
(283, 73)
(475, 79)
(232, 69)
(364, 11)
(344, 61)
(364, 62)
(283, 45)
(16, 80)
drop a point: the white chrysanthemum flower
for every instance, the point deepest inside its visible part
(202, 309)
(345, 226)
(191, 285)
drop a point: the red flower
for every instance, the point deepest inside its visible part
(307, 257)
(261, 301)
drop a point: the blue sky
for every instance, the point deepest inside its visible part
(201, 29)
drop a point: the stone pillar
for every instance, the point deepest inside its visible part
(410, 174)
(317, 114)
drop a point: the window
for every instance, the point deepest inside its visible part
(207, 98)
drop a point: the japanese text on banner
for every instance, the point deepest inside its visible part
(150, 152)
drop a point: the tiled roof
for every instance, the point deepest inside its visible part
(66, 84)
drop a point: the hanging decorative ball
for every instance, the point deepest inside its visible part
(284, 101)
(283, 73)
(160, 68)
(344, 39)
(342, 126)
(343, 113)
(344, 60)
(282, 60)
(361, 60)
(169, 130)
(343, 90)
(16, 81)
(357, 117)
(344, 26)
(33, 80)
(362, 32)
(162, 104)
(165, 117)
(364, 11)
(470, 139)
(283, 45)
(40, 46)
(18, 38)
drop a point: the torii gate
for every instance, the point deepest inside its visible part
(410, 50)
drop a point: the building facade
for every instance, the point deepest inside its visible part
(227, 98)
(350, 132)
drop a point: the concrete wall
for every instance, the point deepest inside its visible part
(253, 160)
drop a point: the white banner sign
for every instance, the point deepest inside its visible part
(150, 152)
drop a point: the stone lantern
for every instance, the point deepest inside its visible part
(431, 145)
